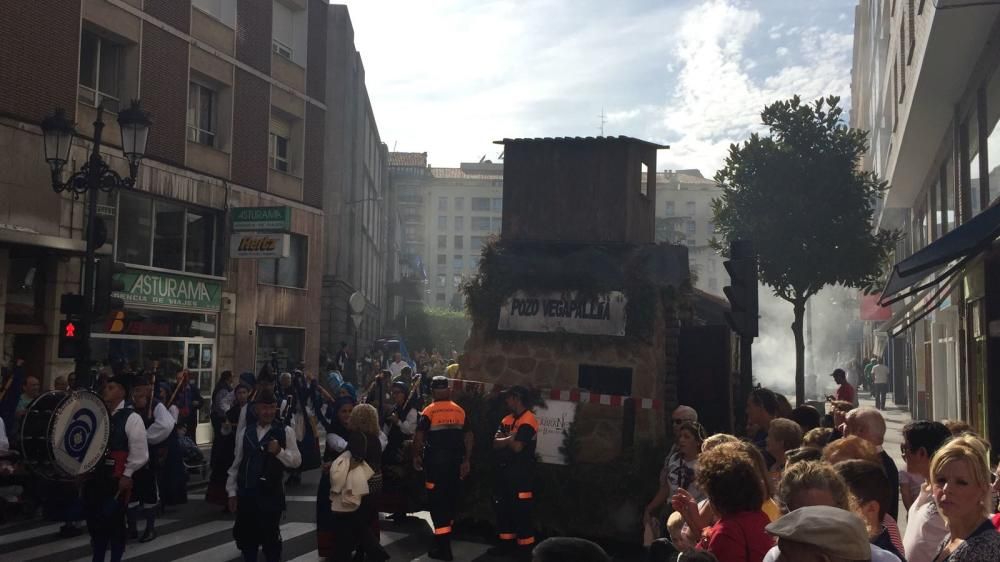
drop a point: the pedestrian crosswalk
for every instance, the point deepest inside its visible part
(204, 535)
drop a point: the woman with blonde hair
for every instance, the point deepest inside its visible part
(960, 482)
(361, 526)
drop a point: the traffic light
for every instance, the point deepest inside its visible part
(70, 334)
(108, 283)
(742, 291)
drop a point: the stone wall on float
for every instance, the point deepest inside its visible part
(552, 361)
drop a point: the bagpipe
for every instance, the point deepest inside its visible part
(182, 380)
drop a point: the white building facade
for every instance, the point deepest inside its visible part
(926, 84)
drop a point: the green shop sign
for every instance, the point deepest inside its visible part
(260, 219)
(162, 289)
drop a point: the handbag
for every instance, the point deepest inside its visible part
(375, 482)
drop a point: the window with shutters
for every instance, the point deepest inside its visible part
(201, 116)
(100, 71)
(911, 18)
(279, 145)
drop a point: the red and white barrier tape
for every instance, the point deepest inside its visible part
(579, 396)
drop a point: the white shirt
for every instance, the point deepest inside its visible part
(396, 367)
(289, 456)
(925, 528)
(407, 425)
(163, 424)
(880, 374)
(138, 449)
(878, 555)
(4, 444)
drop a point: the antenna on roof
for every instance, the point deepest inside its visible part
(500, 156)
(483, 159)
(603, 121)
(394, 143)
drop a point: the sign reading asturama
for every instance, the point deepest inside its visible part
(261, 219)
(176, 291)
(564, 312)
(255, 245)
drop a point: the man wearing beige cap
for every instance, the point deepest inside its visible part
(821, 533)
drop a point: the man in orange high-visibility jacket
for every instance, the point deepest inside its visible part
(513, 496)
(442, 447)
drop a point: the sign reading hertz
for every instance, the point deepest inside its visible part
(564, 312)
(252, 245)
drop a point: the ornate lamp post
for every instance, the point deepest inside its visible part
(58, 133)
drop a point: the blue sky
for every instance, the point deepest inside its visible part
(450, 76)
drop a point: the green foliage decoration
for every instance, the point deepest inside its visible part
(437, 328)
(588, 270)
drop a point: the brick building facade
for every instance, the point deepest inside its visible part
(239, 102)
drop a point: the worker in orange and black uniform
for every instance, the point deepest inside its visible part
(442, 447)
(513, 495)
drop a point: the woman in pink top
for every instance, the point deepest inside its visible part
(738, 535)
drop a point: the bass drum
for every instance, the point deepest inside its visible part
(64, 434)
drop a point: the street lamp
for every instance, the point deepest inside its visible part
(58, 133)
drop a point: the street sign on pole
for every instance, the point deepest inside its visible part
(357, 301)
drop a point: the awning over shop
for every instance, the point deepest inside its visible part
(917, 308)
(938, 260)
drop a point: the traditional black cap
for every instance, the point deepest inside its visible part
(439, 383)
(142, 379)
(401, 386)
(265, 396)
(124, 379)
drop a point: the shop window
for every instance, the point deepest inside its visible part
(133, 241)
(281, 348)
(993, 138)
(286, 272)
(168, 235)
(605, 380)
(972, 189)
(481, 203)
(100, 71)
(201, 115)
(25, 290)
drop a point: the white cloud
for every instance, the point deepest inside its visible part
(781, 51)
(718, 102)
(625, 115)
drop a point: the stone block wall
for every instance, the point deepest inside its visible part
(552, 361)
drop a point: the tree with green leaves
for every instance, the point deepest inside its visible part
(800, 195)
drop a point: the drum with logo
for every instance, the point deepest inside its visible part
(64, 434)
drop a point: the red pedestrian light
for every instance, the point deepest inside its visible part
(70, 330)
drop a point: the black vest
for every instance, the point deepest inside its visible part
(117, 451)
(261, 475)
